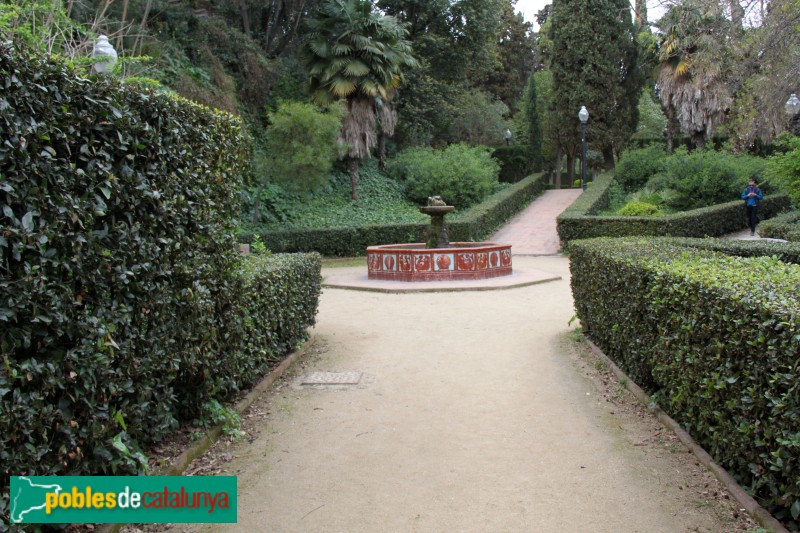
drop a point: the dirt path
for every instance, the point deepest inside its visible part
(472, 414)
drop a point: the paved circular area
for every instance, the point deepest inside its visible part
(355, 278)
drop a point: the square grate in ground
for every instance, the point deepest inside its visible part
(331, 378)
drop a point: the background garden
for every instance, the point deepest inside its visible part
(320, 126)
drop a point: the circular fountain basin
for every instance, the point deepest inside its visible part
(461, 260)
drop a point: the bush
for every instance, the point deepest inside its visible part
(785, 226)
(123, 302)
(636, 166)
(301, 145)
(715, 339)
(514, 162)
(784, 168)
(704, 177)
(461, 175)
(474, 224)
(639, 209)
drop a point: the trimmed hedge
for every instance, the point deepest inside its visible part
(785, 226)
(124, 303)
(473, 225)
(716, 338)
(579, 221)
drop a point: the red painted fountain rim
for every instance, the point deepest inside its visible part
(461, 260)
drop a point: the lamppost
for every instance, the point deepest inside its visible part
(583, 115)
(102, 48)
(792, 108)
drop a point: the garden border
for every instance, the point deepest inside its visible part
(580, 221)
(761, 515)
(202, 445)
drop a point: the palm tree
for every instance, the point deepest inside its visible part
(690, 74)
(356, 54)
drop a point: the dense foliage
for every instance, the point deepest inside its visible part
(123, 300)
(461, 175)
(636, 166)
(382, 201)
(784, 167)
(785, 226)
(598, 69)
(716, 339)
(473, 224)
(301, 144)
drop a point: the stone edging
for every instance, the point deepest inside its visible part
(202, 445)
(761, 515)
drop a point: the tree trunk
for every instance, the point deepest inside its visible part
(737, 14)
(671, 123)
(352, 167)
(571, 169)
(699, 139)
(382, 151)
(608, 158)
(558, 167)
(257, 204)
(245, 18)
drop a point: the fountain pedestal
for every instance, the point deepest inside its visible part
(437, 233)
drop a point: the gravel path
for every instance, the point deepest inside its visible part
(475, 411)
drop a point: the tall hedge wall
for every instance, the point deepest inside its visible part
(124, 304)
(476, 224)
(716, 338)
(579, 221)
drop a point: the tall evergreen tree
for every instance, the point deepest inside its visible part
(595, 62)
(534, 125)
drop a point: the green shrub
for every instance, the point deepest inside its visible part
(784, 168)
(785, 226)
(514, 162)
(476, 223)
(715, 339)
(636, 166)
(125, 306)
(301, 145)
(461, 175)
(639, 209)
(704, 177)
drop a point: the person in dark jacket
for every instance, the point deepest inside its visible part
(752, 195)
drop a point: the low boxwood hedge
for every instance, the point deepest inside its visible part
(579, 221)
(785, 226)
(715, 338)
(474, 224)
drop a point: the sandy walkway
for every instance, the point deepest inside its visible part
(470, 416)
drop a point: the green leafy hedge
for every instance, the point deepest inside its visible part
(716, 338)
(123, 302)
(579, 221)
(514, 162)
(472, 225)
(785, 226)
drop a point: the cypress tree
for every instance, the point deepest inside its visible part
(595, 62)
(534, 125)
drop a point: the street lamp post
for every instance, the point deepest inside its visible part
(792, 108)
(103, 48)
(583, 116)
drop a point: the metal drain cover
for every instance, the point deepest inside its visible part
(331, 378)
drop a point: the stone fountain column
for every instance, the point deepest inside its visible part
(437, 233)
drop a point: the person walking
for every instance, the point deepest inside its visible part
(752, 195)
(508, 137)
